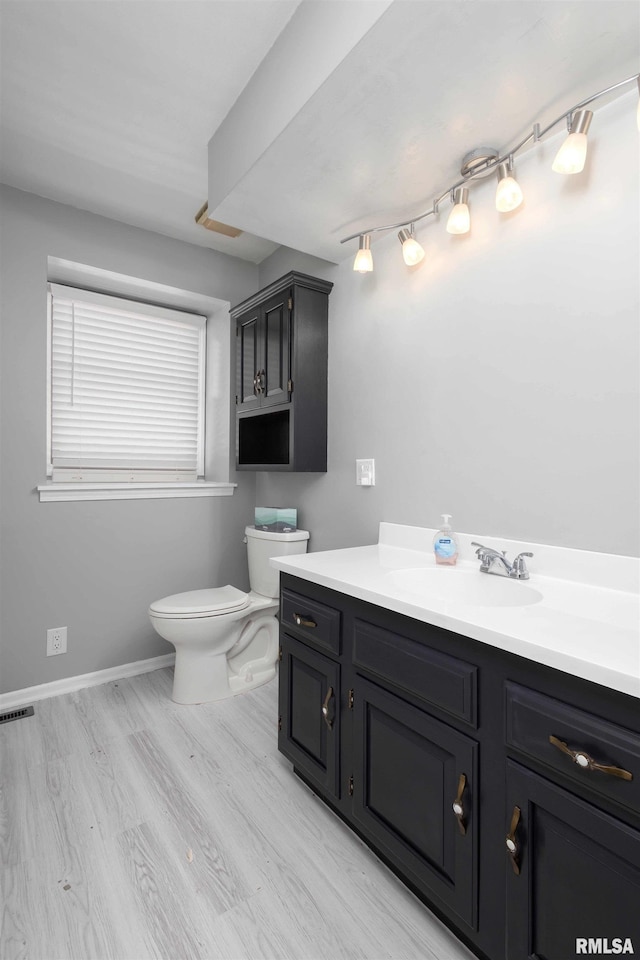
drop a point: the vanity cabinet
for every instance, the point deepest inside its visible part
(281, 376)
(506, 794)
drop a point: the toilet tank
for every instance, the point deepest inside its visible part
(263, 544)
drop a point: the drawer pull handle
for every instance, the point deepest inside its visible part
(303, 621)
(458, 806)
(325, 708)
(513, 847)
(586, 762)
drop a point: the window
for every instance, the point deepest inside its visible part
(127, 384)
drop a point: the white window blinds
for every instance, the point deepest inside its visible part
(126, 389)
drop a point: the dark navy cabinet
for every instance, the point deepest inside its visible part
(281, 376)
(504, 793)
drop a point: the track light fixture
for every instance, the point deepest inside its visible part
(364, 261)
(571, 156)
(479, 163)
(412, 251)
(509, 192)
(459, 219)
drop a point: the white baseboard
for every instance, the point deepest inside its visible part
(43, 691)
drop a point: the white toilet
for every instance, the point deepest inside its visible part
(227, 641)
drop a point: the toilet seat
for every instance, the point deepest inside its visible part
(213, 602)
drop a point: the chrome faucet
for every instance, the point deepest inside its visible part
(488, 556)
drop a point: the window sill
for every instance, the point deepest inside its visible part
(50, 491)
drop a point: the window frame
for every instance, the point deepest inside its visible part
(214, 471)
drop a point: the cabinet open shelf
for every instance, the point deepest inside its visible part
(264, 439)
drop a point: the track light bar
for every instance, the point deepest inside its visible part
(482, 161)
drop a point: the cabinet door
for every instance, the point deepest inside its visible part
(276, 350)
(579, 874)
(309, 708)
(248, 359)
(407, 774)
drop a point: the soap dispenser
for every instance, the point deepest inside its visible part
(445, 546)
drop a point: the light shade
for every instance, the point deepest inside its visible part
(459, 219)
(509, 193)
(363, 262)
(412, 251)
(571, 156)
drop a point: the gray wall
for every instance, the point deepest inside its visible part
(498, 380)
(94, 567)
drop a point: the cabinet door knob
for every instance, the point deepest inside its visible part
(458, 806)
(325, 709)
(583, 760)
(513, 847)
(302, 621)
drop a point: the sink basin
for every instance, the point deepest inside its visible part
(470, 588)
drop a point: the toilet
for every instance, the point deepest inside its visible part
(226, 640)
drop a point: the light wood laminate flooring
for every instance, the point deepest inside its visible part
(132, 827)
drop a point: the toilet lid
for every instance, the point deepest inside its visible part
(201, 603)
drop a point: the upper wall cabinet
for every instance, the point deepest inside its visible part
(281, 376)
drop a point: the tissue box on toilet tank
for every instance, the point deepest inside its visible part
(279, 519)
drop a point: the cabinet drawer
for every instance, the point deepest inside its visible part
(312, 620)
(532, 718)
(427, 675)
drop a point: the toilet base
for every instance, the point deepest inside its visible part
(204, 676)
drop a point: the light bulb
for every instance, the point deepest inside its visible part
(509, 193)
(459, 219)
(363, 262)
(412, 252)
(571, 156)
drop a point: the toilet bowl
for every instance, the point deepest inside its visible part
(226, 640)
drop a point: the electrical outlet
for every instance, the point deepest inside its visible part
(56, 641)
(366, 473)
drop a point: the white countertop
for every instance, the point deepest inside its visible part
(586, 621)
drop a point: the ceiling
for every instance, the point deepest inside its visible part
(300, 122)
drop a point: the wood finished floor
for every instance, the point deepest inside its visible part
(131, 827)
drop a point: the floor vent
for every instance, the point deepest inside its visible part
(16, 714)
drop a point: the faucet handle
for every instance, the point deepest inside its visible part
(481, 551)
(519, 568)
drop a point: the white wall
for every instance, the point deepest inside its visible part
(94, 567)
(498, 380)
